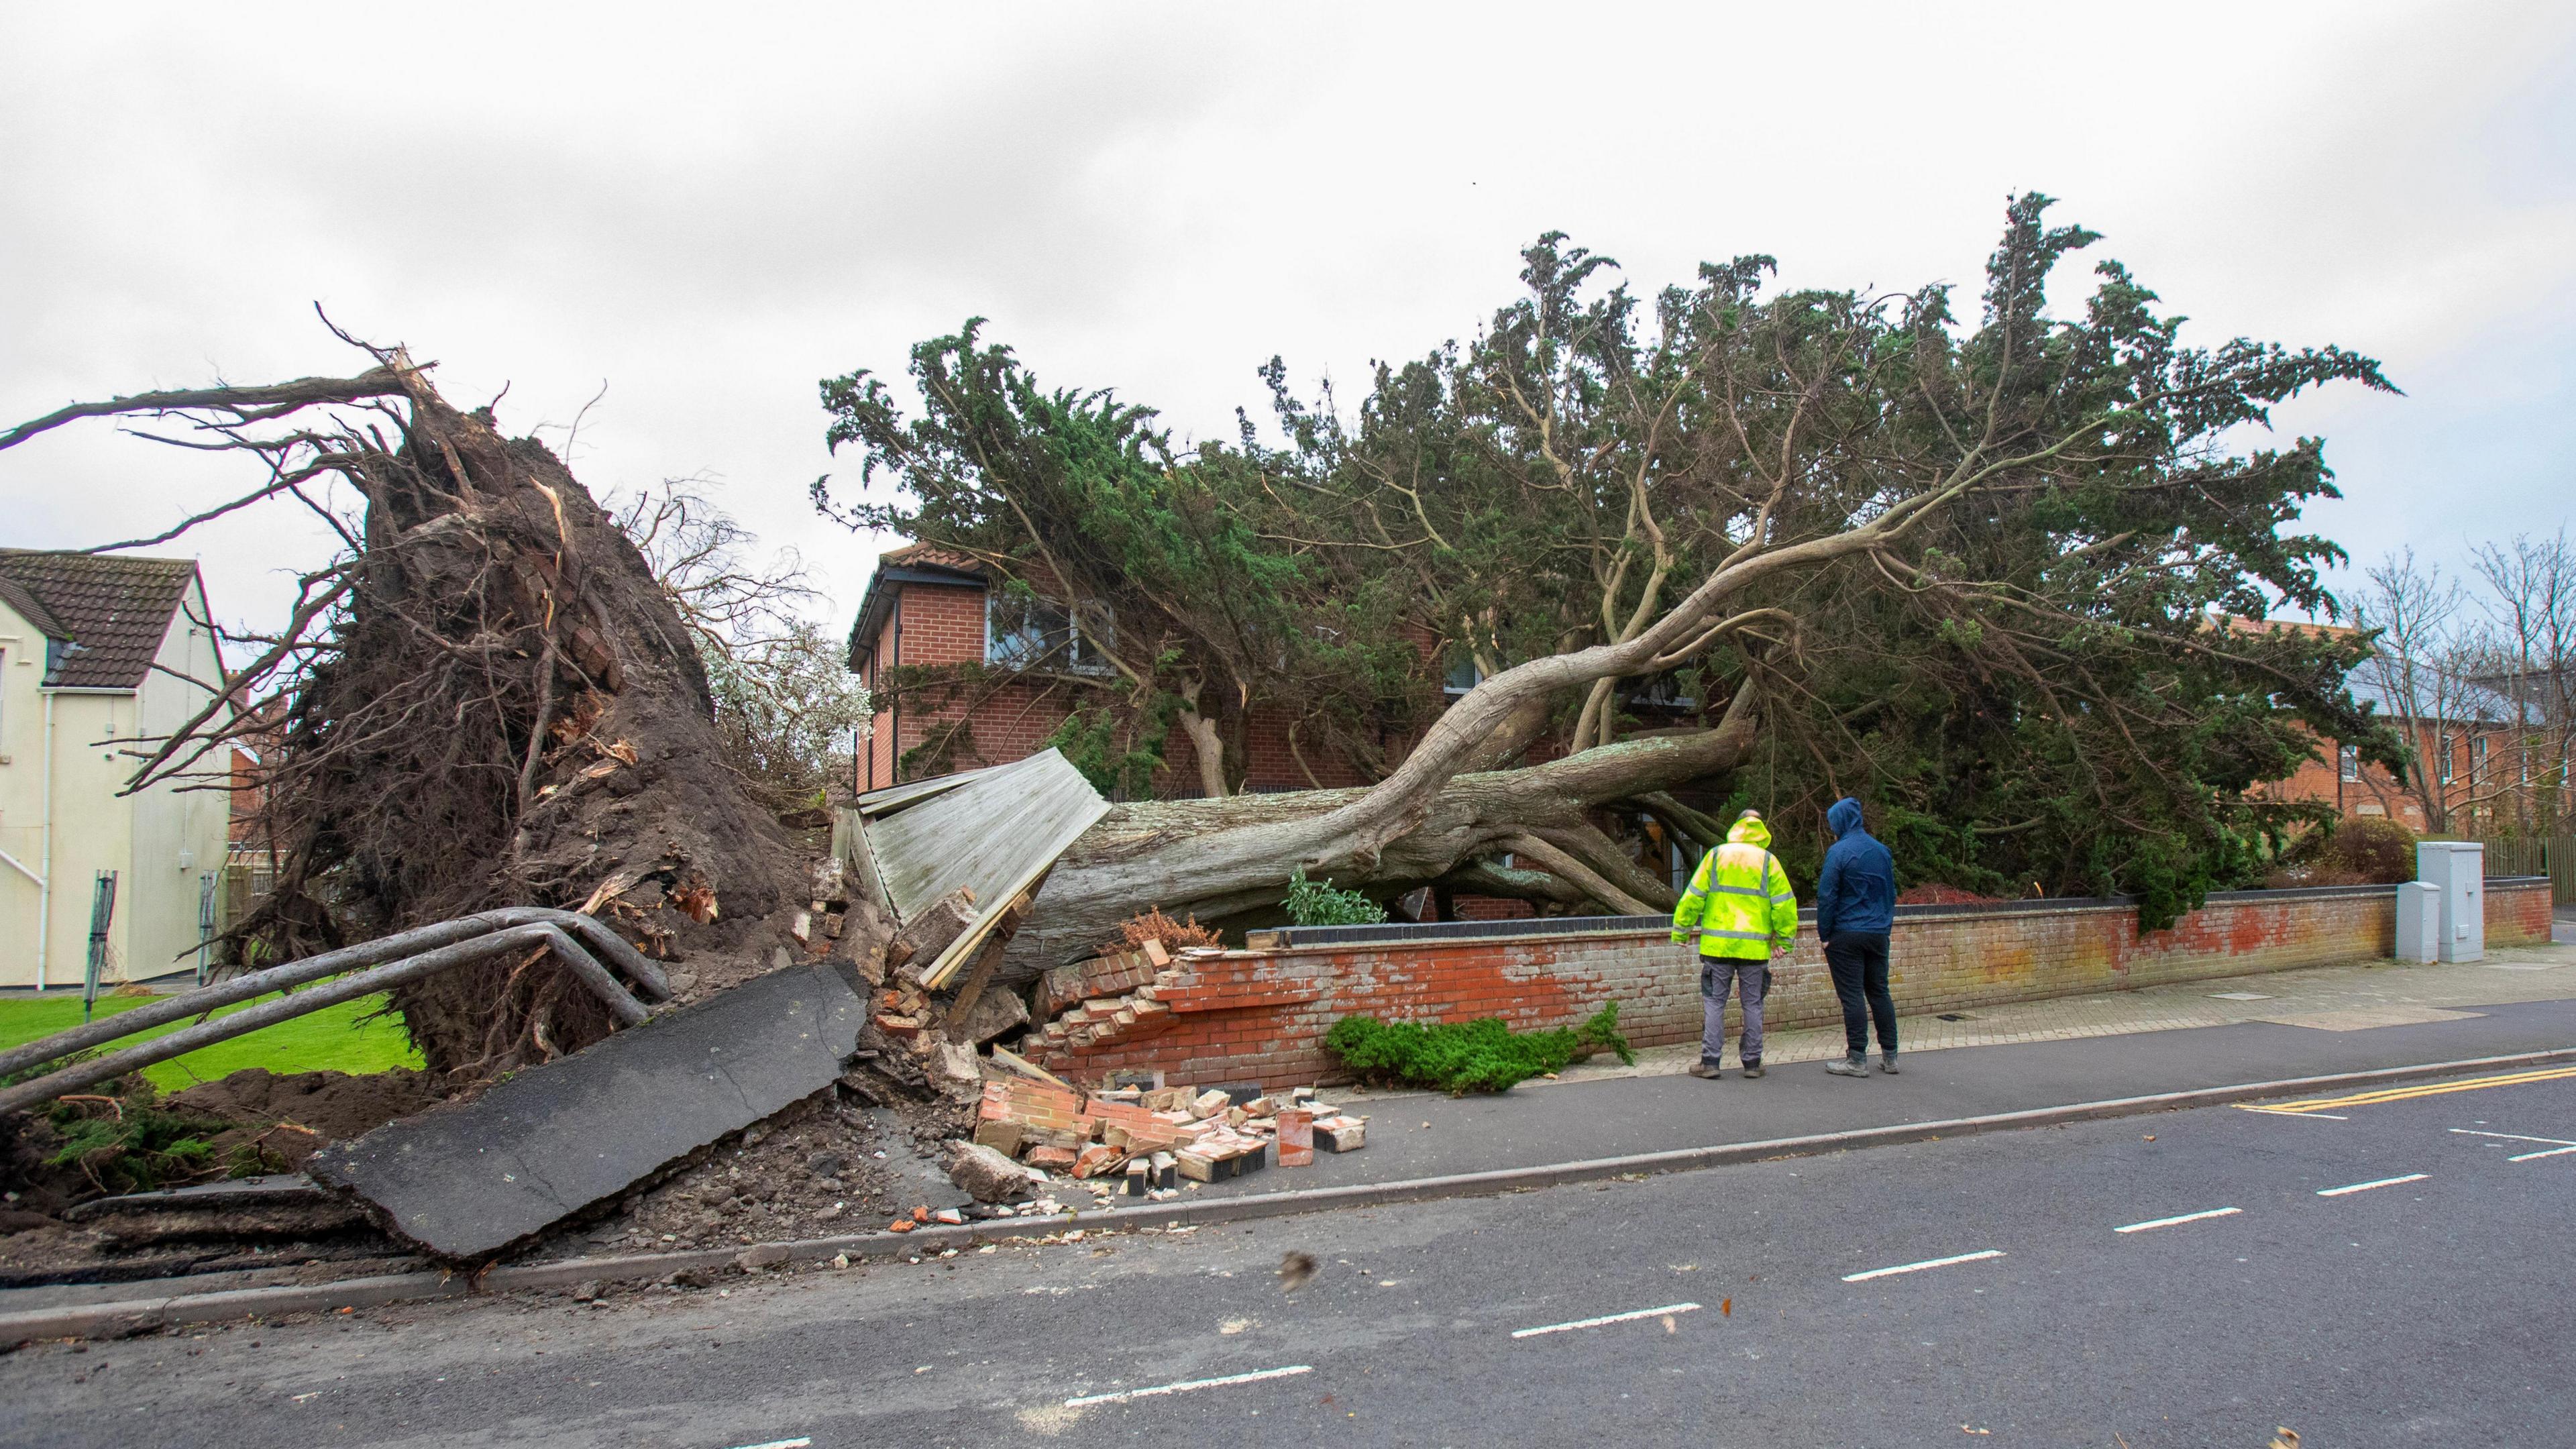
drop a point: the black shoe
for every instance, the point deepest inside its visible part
(1752, 1070)
(1854, 1065)
(1705, 1071)
(1887, 1062)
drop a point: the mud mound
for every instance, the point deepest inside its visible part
(330, 1106)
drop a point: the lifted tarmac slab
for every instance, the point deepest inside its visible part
(465, 1181)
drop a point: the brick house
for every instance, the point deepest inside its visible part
(927, 606)
(2483, 768)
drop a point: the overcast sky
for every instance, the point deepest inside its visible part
(709, 208)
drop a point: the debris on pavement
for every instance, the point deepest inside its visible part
(1142, 1142)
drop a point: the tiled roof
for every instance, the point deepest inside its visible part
(914, 562)
(111, 612)
(15, 595)
(918, 555)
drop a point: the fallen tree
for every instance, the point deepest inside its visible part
(484, 699)
(1972, 569)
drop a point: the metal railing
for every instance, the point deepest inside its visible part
(377, 965)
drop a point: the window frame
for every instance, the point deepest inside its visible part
(1069, 648)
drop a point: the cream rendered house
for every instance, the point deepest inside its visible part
(95, 652)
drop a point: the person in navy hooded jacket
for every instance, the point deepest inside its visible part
(1855, 909)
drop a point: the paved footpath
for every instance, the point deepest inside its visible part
(1996, 1059)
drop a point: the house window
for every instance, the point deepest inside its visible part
(1463, 675)
(2478, 760)
(2442, 766)
(2348, 763)
(1026, 633)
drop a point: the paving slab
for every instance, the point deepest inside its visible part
(2314, 1022)
(464, 1182)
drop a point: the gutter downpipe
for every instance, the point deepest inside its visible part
(45, 851)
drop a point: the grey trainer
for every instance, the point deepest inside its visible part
(1752, 1069)
(1705, 1071)
(1887, 1063)
(1855, 1065)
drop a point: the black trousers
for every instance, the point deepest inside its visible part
(1859, 964)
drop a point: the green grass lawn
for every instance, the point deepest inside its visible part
(331, 1039)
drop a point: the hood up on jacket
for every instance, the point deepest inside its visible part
(1750, 831)
(1844, 818)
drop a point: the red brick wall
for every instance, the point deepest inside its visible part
(1240, 1016)
(2518, 911)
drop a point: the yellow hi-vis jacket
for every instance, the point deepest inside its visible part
(1739, 899)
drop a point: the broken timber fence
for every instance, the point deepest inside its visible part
(387, 962)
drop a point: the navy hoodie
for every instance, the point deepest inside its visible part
(1856, 891)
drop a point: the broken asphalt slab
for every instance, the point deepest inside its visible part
(465, 1181)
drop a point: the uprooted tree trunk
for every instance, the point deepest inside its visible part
(1219, 858)
(485, 700)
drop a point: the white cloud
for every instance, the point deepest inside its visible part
(714, 209)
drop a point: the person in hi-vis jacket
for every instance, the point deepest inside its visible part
(1740, 906)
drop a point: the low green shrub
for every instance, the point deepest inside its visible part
(2371, 851)
(1469, 1056)
(133, 1147)
(1316, 903)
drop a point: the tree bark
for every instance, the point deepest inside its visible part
(1209, 745)
(1217, 858)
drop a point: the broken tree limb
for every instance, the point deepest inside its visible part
(1562, 863)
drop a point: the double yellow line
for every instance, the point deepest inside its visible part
(2316, 1106)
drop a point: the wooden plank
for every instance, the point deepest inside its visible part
(973, 990)
(1003, 921)
(852, 843)
(886, 799)
(987, 835)
(997, 836)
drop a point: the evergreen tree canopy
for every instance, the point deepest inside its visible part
(2001, 578)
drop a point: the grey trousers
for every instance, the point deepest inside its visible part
(1750, 982)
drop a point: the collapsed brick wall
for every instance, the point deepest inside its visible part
(1245, 1016)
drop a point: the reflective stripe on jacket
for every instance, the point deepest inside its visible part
(1739, 902)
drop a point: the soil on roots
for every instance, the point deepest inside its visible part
(512, 714)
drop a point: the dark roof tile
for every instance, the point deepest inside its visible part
(113, 612)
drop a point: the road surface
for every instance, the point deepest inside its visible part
(2388, 1271)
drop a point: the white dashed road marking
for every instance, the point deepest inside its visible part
(1919, 1267)
(782, 1444)
(2154, 1223)
(2559, 1147)
(1605, 1318)
(1123, 1395)
(2367, 1186)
